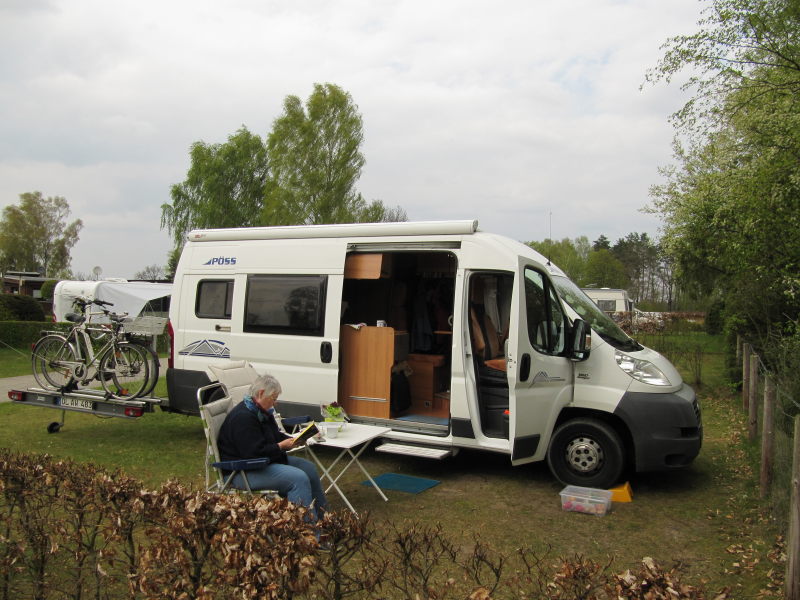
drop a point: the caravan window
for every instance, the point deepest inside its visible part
(287, 304)
(214, 299)
(607, 305)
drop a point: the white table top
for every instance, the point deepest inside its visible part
(351, 435)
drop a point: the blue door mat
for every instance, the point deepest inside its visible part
(402, 483)
(425, 419)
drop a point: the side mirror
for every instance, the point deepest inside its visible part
(580, 341)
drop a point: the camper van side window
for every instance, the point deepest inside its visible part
(214, 299)
(286, 304)
(544, 313)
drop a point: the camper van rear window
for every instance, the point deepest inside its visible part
(214, 299)
(287, 304)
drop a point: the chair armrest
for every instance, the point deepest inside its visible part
(249, 464)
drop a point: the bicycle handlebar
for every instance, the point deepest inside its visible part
(84, 302)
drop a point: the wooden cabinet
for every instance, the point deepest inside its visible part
(365, 374)
(367, 266)
(427, 384)
(367, 355)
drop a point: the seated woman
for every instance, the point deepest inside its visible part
(250, 431)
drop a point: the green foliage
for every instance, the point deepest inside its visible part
(635, 263)
(603, 269)
(173, 257)
(224, 187)
(731, 205)
(315, 161)
(305, 173)
(737, 43)
(35, 236)
(14, 307)
(569, 255)
(715, 318)
(21, 334)
(48, 289)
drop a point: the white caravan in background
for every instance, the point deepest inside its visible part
(610, 300)
(132, 297)
(486, 345)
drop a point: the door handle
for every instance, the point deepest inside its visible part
(219, 327)
(326, 352)
(525, 367)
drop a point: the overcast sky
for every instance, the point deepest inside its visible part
(500, 110)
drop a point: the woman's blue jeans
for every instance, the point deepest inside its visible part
(298, 482)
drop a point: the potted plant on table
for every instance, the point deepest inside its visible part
(334, 413)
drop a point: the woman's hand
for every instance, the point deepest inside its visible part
(286, 444)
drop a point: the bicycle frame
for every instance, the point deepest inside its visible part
(87, 357)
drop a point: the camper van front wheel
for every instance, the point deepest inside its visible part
(586, 452)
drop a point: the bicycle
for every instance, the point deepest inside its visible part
(64, 361)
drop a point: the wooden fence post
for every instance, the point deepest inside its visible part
(745, 376)
(752, 407)
(767, 431)
(738, 348)
(792, 588)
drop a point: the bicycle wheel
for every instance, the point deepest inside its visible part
(124, 371)
(153, 364)
(53, 361)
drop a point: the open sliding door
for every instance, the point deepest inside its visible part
(539, 375)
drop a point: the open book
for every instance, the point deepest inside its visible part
(302, 437)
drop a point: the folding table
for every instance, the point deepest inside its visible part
(352, 435)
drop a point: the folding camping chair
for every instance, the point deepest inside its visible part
(213, 414)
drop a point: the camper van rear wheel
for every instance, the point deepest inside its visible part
(586, 452)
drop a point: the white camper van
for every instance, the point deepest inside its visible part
(453, 337)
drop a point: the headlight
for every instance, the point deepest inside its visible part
(642, 370)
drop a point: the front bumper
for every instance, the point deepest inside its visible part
(667, 429)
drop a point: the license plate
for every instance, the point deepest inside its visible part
(76, 403)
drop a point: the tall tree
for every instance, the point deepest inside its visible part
(601, 243)
(35, 235)
(640, 257)
(224, 187)
(731, 205)
(315, 160)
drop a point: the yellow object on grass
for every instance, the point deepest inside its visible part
(622, 493)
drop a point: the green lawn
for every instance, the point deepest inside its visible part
(15, 361)
(707, 517)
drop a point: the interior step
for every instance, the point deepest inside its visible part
(422, 451)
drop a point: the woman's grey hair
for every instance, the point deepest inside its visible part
(268, 383)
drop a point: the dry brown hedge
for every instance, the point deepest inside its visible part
(76, 531)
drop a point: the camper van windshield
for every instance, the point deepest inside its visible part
(596, 318)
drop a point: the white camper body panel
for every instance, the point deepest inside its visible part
(477, 324)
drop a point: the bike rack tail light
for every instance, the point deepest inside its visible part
(134, 411)
(15, 395)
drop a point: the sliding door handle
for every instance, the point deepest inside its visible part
(326, 352)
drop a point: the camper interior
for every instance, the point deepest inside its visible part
(401, 371)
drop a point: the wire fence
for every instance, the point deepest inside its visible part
(768, 400)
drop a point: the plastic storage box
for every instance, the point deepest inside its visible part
(586, 500)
